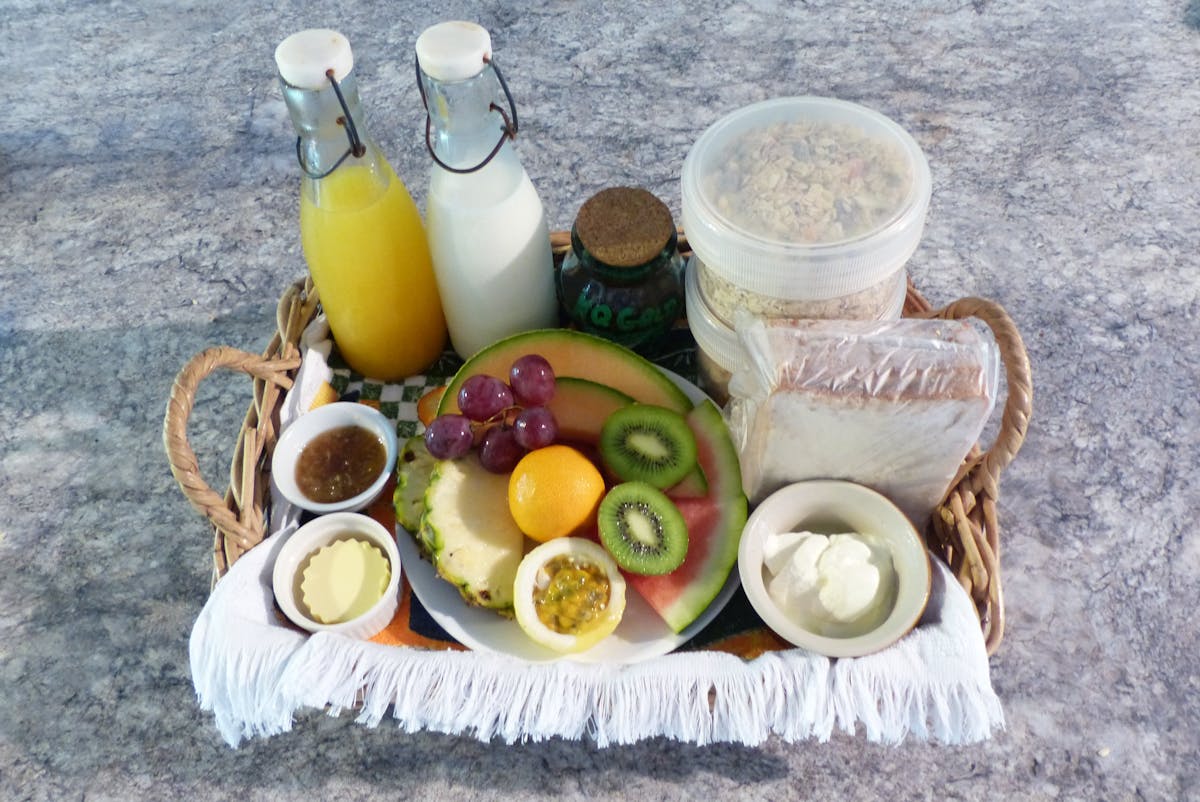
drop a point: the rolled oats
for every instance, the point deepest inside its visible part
(809, 181)
(882, 299)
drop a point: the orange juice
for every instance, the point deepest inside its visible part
(369, 258)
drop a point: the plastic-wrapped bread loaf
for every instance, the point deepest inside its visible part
(894, 405)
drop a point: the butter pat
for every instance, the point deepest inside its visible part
(839, 585)
(344, 580)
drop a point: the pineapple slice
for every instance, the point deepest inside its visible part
(413, 468)
(474, 543)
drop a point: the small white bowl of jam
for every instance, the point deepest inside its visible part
(335, 458)
(339, 573)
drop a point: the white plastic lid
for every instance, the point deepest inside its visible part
(746, 199)
(453, 51)
(304, 58)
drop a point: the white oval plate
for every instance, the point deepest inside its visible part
(641, 635)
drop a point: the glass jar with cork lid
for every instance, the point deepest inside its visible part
(623, 277)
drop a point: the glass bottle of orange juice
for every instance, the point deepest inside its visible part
(361, 232)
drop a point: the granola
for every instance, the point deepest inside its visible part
(883, 299)
(809, 181)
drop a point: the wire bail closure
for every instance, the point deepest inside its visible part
(357, 149)
(507, 131)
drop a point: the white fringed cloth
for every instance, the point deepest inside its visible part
(254, 674)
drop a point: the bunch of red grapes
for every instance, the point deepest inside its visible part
(505, 419)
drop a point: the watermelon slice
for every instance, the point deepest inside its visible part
(714, 523)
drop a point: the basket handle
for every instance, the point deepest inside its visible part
(1018, 406)
(184, 466)
(966, 528)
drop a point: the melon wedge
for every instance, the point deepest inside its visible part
(694, 485)
(580, 408)
(714, 523)
(578, 355)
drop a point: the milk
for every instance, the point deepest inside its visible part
(490, 246)
(486, 227)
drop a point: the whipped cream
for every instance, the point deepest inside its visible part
(838, 585)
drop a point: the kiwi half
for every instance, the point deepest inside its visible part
(642, 529)
(648, 443)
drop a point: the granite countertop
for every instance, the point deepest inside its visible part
(148, 189)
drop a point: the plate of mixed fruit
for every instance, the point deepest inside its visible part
(569, 498)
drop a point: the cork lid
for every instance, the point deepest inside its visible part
(624, 226)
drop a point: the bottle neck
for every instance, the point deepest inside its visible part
(320, 122)
(465, 128)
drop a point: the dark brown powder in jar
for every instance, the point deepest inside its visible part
(339, 464)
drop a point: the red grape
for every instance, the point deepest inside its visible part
(535, 427)
(499, 451)
(449, 436)
(482, 397)
(532, 380)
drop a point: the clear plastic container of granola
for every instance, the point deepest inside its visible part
(804, 207)
(718, 351)
(883, 300)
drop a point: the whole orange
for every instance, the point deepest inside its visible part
(553, 492)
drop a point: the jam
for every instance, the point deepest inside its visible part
(339, 464)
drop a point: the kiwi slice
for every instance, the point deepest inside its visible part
(648, 443)
(642, 529)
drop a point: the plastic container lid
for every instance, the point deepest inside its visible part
(805, 197)
(453, 51)
(304, 58)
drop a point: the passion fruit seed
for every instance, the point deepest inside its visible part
(570, 594)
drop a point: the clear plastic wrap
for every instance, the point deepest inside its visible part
(894, 405)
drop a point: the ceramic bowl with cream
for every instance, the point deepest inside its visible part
(339, 573)
(834, 567)
(335, 458)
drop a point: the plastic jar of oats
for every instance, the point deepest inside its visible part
(804, 207)
(718, 350)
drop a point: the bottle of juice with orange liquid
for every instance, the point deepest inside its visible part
(361, 232)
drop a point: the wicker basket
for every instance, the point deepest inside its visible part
(965, 530)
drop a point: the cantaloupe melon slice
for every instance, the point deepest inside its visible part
(578, 355)
(580, 408)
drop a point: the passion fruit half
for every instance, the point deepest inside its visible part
(569, 594)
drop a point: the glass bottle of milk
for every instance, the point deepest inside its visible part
(487, 229)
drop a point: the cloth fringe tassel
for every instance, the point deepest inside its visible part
(236, 671)
(255, 675)
(254, 689)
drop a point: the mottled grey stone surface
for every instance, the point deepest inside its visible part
(147, 210)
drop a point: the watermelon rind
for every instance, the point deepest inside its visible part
(719, 461)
